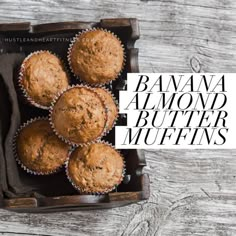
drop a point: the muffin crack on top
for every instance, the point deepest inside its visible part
(40, 149)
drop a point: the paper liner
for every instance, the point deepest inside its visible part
(61, 136)
(69, 56)
(117, 109)
(97, 193)
(14, 146)
(26, 96)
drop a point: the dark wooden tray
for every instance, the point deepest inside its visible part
(56, 194)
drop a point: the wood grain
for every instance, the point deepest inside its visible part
(192, 192)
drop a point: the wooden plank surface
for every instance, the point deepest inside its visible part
(192, 192)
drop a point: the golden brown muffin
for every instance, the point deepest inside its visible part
(112, 111)
(96, 168)
(43, 76)
(39, 149)
(97, 57)
(79, 115)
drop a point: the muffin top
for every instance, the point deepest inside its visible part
(39, 149)
(97, 57)
(96, 168)
(43, 76)
(79, 115)
(112, 111)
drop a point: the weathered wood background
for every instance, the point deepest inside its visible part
(192, 192)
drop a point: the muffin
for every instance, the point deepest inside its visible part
(97, 168)
(96, 56)
(112, 110)
(79, 115)
(38, 149)
(42, 76)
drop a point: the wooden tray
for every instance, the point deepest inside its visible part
(56, 193)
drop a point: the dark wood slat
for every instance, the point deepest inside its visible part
(62, 26)
(24, 203)
(117, 22)
(72, 200)
(132, 61)
(12, 27)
